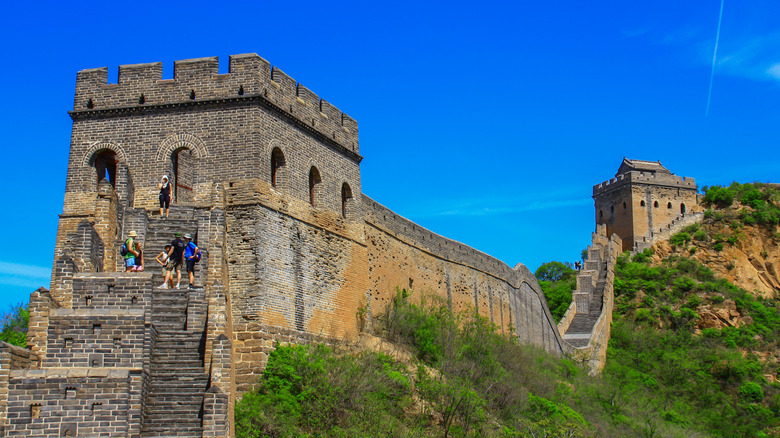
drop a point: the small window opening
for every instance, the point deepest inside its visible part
(315, 186)
(96, 408)
(142, 99)
(601, 214)
(624, 206)
(68, 343)
(241, 90)
(88, 300)
(134, 300)
(669, 206)
(277, 168)
(105, 166)
(90, 104)
(612, 209)
(682, 208)
(35, 411)
(192, 95)
(96, 329)
(655, 204)
(642, 203)
(346, 201)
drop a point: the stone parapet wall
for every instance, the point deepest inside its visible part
(96, 338)
(117, 291)
(649, 178)
(95, 402)
(401, 254)
(140, 87)
(666, 232)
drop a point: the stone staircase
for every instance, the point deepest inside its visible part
(178, 380)
(579, 331)
(160, 232)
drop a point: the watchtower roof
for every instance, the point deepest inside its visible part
(641, 166)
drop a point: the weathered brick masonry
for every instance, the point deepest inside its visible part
(267, 177)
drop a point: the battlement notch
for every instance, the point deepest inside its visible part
(197, 81)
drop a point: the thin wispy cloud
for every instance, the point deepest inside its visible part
(15, 274)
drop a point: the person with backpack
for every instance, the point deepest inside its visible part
(129, 251)
(176, 254)
(191, 256)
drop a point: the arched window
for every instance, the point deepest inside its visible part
(642, 203)
(105, 165)
(346, 201)
(624, 206)
(315, 186)
(277, 168)
(669, 206)
(655, 204)
(682, 208)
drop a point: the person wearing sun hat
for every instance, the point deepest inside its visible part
(132, 253)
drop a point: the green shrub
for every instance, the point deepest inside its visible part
(14, 325)
(751, 391)
(700, 235)
(680, 238)
(718, 246)
(720, 196)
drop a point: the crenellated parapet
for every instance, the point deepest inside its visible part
(140, 87)
(655, 179)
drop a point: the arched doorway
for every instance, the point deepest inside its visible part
(105, 166)
(682, 208)
(183, 171)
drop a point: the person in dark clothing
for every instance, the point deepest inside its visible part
(165, 195)
(176, 253)
(190, 257)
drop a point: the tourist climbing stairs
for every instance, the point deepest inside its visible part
(178, 379)
(160, 232)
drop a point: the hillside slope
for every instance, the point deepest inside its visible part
(739, 238)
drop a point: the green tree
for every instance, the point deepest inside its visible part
(14, 323)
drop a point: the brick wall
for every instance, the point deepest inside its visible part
(96, 338)
(401, 254)
(86, 402)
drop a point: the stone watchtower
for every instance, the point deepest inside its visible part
(643, 198)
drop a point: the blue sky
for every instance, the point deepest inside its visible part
(487, 122)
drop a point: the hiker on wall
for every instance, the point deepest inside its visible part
(176, 253)
(165, 195)
(191, 256)
(129, 251)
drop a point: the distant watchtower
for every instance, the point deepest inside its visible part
(642, 197)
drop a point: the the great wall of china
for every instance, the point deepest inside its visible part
(268, 180)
